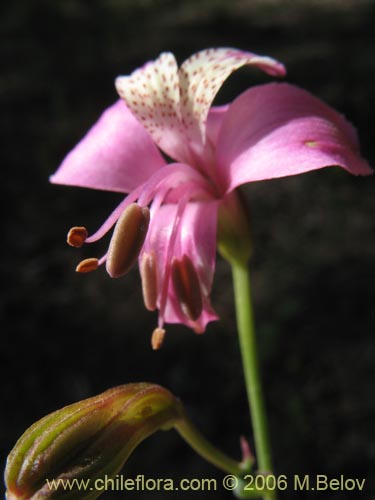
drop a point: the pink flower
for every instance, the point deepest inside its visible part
(268, 131)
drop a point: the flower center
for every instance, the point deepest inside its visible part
(169, 278)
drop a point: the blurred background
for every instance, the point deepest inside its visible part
(66, 337)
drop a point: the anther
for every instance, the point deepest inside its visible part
(186, 285)
(77, 236)
(87, 265)
(149, 277)
(127, 240)
(157, 338)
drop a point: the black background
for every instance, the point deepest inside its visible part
(67, 336)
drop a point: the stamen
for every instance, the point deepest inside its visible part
(186, 285)
(149, 277)
(77, 236)
(87, 265)
(113, 218)
(172, 240)
(157, 338)
(127, 240)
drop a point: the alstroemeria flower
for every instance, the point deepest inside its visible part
(169, 217)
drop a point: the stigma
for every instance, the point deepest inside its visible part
(88, 265)
(76, 236)
(157, 338)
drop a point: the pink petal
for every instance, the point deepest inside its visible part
(197, 240)
(214, 122)
(152, 93)
(202, 75)
(116, 154)
(276, 130)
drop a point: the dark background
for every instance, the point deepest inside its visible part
(66, 336)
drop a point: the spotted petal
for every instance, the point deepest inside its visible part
(202, 75)
(116, 154)
(153, 95)
(173, 104)
(276, 130)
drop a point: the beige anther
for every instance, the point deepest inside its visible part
(149, 277)
(186, 285)
(127, 240)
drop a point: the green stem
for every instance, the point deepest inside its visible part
(205, 449)
(246, 332)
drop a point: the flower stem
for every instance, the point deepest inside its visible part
(205, 449)
(248, 347)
